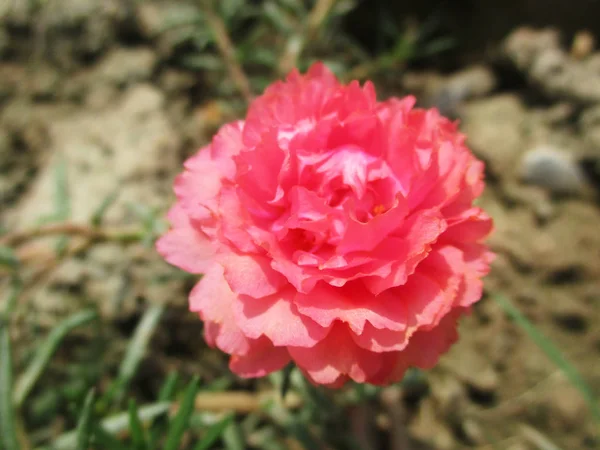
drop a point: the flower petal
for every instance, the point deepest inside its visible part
(262, 359)
(353, 305)
(336, 355)
(365, 236)
(213, 300)
(277, 318)
(185, 246)
(251, 275)
(426, 347)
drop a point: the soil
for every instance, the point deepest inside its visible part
(112, 107)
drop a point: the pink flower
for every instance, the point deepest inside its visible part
(334, 231)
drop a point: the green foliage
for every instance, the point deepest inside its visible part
(182, 419)
(8, 258)
(138, 435)
(273, 36)
(44, 353)
(112, 426)
(135, 352)
(8, 435)
(99, 214)
(214, 433)
(62, 203)
(84, 426)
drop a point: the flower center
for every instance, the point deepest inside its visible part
(378, 209)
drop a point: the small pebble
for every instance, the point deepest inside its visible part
(583, 45)
(552, 169)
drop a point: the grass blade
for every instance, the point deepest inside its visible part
(214, 433)
(135, 352)
(8, 436)
(84, 426)
(16, 286)
(303, 435)
(138, 437)
(286, 382)
(167, 390)
(114, 424)
(27, 381)
(233, 437)
(62, 202)
(106, 441)
(552, 353)
(8, 258)
(166, 394)
(108, 201)
(182, 419)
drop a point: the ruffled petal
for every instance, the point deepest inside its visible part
(185, 246)
(354, 306)
(334, 356)
(251, 275)
(277, 318)
(213, 300)
(262, 359)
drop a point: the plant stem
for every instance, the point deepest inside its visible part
(227, 50)
(71, 229)
(298, 41)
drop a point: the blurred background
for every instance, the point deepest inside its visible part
(102, 100)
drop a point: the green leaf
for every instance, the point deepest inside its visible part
(279, 18)
(38, 364)
(8, 258)
(553, 353)
(62, 206)
(108, 201)
(8, 436)
(303, 435)
(166, 394)
(106, 441)
(229, 8)
(202, 62)
(214, 433)
(181, 421)
(437, 46)
(138, 438)
(297, 6)
(16, 287)
(233, 438)
(114, 424)
(84, 425)
(286, 382)
(150, 220)
(181, 18)
(135, 352)
(267, 439)
(167, 390)
(62, 202)
(222, 383)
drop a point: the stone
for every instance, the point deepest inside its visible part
(494, 129)
(553, 169)
(539, 55)
(567, 408)
(127, 66)
(130, 148)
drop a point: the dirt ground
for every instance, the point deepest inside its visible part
(112, 108)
